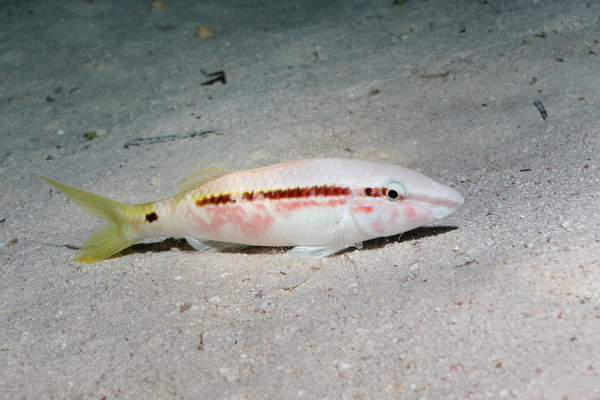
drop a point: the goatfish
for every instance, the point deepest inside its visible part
(319, 206)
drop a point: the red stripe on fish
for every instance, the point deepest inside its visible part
(297, 193)
(293, 193)
(215, 200)
(362, 209)
(285, 208)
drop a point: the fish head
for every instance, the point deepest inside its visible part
(400, 200)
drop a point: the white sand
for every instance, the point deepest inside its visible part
(505, 306)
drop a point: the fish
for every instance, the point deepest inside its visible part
(317, 206)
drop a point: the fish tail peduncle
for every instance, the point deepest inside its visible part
(117, 232)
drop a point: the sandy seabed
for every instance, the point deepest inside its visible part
(499, 300)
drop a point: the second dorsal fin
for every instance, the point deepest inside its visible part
(206, 172)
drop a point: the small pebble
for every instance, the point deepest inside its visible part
(155, 180)
(342, 365)
(205, 33)
(158, 5)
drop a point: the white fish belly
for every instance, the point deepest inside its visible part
(281, 223)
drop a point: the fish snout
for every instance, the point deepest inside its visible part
(447, 203)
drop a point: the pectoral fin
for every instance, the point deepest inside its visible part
(344, 236)
(312, 251)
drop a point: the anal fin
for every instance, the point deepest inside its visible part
(209, 246)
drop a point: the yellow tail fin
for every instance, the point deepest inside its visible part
(116, 235)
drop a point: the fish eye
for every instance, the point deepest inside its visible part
(394, 191)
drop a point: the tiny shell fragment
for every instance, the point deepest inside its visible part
(205, 33)
(158, 5)
(291, 282)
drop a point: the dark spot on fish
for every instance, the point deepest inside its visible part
(375, 192)
(151, 217)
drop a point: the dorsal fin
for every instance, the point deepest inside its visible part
(207, 172)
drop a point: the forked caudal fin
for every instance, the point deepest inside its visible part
(116, 233)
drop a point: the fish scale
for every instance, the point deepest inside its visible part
(319, 206)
